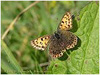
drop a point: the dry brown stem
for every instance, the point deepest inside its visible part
(17, 17)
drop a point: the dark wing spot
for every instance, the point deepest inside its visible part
(45, 38)
(36, 45)
(41, 43)
(68, 19)
(60, 54)
(45, 43)
(67, 14)
(65, 27)
(61, 25)
(41, 39)
(68, 25)
(66, 22)
(62, 22)
(64, 17)
(42, 46)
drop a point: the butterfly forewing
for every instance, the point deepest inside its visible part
(66, 22)
(41, 42)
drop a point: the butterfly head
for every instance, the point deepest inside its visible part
(57, 35)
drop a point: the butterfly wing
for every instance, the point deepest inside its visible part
(72, 42)
(56, 49)
(41, 42)
(66, 22)
(67, 40)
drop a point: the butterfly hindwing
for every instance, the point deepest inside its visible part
(66, 22)
(55, 48)
(68, 38)
(72, 43)
(58, 46)
(41, 42)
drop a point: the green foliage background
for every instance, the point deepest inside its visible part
(18, 56)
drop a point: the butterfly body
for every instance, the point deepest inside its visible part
(57, 36)
(58, 42)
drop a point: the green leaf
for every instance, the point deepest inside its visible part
(8, 62)
(84, 59)
(57, 67)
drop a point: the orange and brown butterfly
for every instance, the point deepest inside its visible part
(58, 42)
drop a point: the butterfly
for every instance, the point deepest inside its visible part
(60, 40)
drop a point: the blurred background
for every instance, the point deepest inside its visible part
(41, 19)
